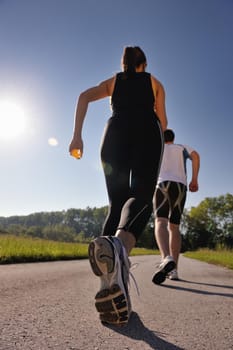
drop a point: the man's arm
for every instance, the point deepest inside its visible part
(195, 158)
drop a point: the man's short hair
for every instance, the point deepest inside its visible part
(169, 135)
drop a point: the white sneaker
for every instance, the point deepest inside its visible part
(166, 266)
(173, 275)
(110, 262)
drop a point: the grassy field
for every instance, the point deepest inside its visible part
(217, 257)
(23, 249)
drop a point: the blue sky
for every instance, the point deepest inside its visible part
(51, 50)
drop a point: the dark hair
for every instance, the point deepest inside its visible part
(169, 135)
(132, 57)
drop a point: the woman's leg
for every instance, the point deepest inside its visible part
(118, 193)
(127, 238)
(145, 164)
(116, 166)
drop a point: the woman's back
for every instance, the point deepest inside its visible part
(132, 92)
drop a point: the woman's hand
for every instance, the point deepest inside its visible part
(76, 143)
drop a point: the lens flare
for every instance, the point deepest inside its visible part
(52, 141)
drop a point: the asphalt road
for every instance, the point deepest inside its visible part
(47, 306)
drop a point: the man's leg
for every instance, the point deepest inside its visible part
(175, 241)
(178, 201)
(162, 236)
(162, 239)
(175, 246)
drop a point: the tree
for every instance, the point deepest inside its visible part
(209, 223)
(59, 233)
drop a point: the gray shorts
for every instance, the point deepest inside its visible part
(169, 201)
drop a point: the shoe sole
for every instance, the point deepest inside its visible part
(160, 276)
(111, 303)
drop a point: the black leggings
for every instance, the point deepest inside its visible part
(131, 157)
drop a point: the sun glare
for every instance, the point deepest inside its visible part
(52, 141)
(12, 120)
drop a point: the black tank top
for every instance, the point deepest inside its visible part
(132, 93)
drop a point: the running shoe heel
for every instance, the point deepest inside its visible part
(167, 265)
(101, 256)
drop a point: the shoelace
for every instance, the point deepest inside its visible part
(123, 256)
(128, 267)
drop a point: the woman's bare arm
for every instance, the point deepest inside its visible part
(160, 108)
(104, 89)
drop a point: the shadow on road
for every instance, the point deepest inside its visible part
(198, 291)
(135, 329)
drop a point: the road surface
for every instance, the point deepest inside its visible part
(47, 306)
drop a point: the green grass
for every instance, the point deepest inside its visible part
(144, 251)
(25, 249)
(218, 257)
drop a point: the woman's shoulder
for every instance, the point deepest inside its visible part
(156, 80)
(156, 83)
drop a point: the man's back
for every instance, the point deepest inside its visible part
(173, 167)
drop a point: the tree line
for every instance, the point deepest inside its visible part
(210, 225)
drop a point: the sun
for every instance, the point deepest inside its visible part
(12, 120)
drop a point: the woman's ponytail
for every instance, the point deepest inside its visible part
(132, 57)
